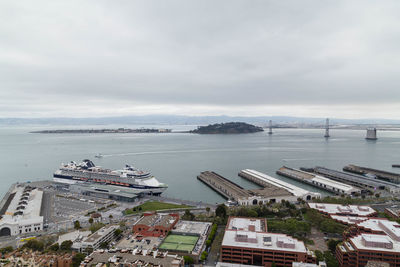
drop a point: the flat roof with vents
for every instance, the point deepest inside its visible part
(352, 210)
(247, 224)
(237, 234)
(375, 242)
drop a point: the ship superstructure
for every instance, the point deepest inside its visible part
(137, 181)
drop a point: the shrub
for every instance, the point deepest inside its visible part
(77, 259)
(66, 245)
(204, 256)
(34, 245)
(54, 247)
(188, 260)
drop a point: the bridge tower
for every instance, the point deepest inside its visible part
(270, 127)
(371, 134)
(327, 128)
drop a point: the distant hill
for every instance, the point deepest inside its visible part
(191, 120)
(228, 128)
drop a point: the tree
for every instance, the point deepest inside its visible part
(77, 259)
(319, 255)
(204, 256)
(90, 220)
(34, 245)
(208, 210)
(117, 232)
(188, 215)
(66, 245)
(104, 245)
(188, 260)
(221, 211)
(77, 225)
(330, 259)
(332, 244)
(6, 250)
(54, 247)
(95, 226)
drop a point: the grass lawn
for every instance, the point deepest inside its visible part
(153, 206)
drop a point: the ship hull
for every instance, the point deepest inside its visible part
(134, 188)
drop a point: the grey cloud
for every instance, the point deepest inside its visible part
(207, 53)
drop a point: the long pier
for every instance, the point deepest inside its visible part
(384, 175)
(270, 182)
(317, 181)
(223, 186)
(357, 180)
(8, 197)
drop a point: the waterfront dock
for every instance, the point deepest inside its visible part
(8, 197)
(230, 190)
(318, 181)
(223, 186)
(358, 180)
(267, 181)
(384, 175)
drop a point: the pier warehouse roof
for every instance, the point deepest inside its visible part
(265, 180)
(358, 180)
(318, 180)
(231, 190)
(22, 211)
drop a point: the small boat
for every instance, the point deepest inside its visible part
(396, 166)
(99, 156)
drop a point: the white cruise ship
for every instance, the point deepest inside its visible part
(137, 181)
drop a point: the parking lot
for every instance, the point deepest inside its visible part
(68, 208)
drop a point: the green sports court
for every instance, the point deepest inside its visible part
(179, 242)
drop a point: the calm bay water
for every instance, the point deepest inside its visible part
(177, 158)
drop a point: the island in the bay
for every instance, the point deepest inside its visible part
(119, 130)
(228, 128)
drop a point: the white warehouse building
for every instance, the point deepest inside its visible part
(21, 211)
(262, 179)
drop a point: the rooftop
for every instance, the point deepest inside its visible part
(355, 178)
(352, 210)
(375, 242)
(24, 207)
(93, 238)
(349, 219)
(242, 232)
(191, 227)
(336, 184)
(267, 241)
(146, 260)
(296, 191)
(165, 220)
(247, 224)
(73, 236)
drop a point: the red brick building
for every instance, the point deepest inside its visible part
(246, 241)
(153, 224)
(371, 240)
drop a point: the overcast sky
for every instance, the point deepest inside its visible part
(105, 58)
